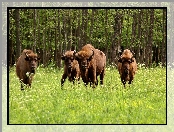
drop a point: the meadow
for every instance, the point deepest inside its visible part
(143, 102)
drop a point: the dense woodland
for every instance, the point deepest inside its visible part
(51, 32)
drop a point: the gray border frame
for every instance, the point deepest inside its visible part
(75, 128)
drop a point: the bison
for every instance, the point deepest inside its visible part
(25, 67)
(127, 66)
(71, 67)
(92, 63)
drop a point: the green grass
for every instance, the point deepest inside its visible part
(144, 102)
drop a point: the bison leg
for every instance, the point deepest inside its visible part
(29, 81)
(101, 77)
(130, 80)
(29, 85)
(86, 83)
(96, 83)
(78, 78)
(85, 80)
(123, 81)
(93, 82)
(64, 76)
(94, 79)
(73, 79)
(22, 86)
(24, 82)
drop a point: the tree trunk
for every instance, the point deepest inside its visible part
(69, 29)
(34, 31)
(80, 43)
(106, 32)
(59, 42)
(44, 47)
(150, 37)
(64, 31)
(163, 59)
(143, 36)
(134, 24)
(18, 43)
(137, 54)
(38, 37)
(127, 38)
(146, 39)
(116, 38)
(85, 26)
(91, 28)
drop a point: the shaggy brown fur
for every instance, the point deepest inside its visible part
(92, 63)
(127, 67)
(25, 67)
(71, 67)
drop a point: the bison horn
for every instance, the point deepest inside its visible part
(63, 57)
(132, 53)
(26, 54)
(132, 59)
(92, 52)
(27, 57)
(74, 52)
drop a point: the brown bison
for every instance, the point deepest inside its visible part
(92, 63)
(25, 67)
(71, 67)
(127, 66)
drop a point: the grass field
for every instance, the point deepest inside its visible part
(144, 102)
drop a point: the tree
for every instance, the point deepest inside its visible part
(34, 31)
(50, 32)
(18, 43)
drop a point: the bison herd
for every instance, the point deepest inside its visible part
(87, 64)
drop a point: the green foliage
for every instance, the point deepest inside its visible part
(144, 102)
(56, 30)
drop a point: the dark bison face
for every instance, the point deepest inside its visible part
(126, 64)
(68, 57)
(33, 60)
(83, 59)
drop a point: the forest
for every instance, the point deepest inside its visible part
(51, 31)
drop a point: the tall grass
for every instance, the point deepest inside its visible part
(143, 102)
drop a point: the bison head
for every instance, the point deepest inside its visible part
(84, 58)
(68, 57)
(126, 64)
(32, 59)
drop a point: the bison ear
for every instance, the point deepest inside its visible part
(119, 60)
(119, 52)
(27, 57)
(133, 53)
(38, 58)
(132, 59)
(76, 56)
(91, 55)
(63, 57)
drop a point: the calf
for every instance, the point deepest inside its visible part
(71, 67)
(127, 66)
(92, 63)
(25, 67)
